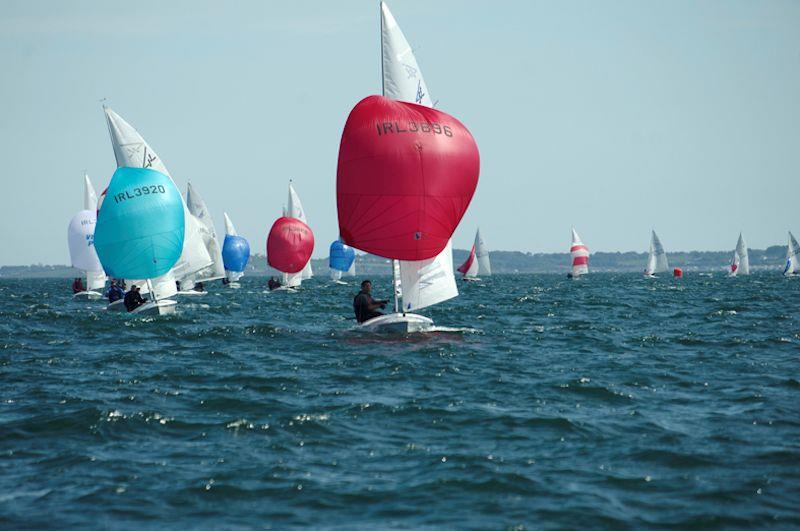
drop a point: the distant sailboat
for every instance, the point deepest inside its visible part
(580, 256)
(289, 246)
(341, 259)
(740, 265)
(235, 253)
(204, 226)
(482, 255)
(792, 256)
(420, 283)
(81, 245)
(132, 151)
(657, 259)
(294, 209)
(140, 234)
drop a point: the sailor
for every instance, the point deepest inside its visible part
(364, 306)
(133, 299)
(115, 292)
(273, 283)
(77, 285)
(198, 286)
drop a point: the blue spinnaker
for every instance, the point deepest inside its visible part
(140, 229)
(235, 253)
(341, 256)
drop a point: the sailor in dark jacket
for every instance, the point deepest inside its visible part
(364, 306)
(133, 299)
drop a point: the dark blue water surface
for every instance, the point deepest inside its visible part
(612, 401)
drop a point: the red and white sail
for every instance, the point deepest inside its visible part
(740, 265)
(470, 266)
(580, 255)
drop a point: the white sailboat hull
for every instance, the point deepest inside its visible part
(162, 307)
(191, 293)
(397, 323)
(116, 306)
(87, 296)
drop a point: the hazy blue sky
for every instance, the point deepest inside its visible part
(616, 117)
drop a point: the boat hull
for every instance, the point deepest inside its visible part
(116, 306)
(397, 323)
(87, 296)
(162, 307)
(191, 293)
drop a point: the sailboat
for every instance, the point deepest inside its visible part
(405, 177)
(580, 256)
(792, 264)
(289, 246)
(294, 209)
(235, 253)
(740, 265)
(208, 234)
(341, 259)
(132, 151)
(420, 283)
(482, 255)
(657, 259)
(140, 230)
(80, 237)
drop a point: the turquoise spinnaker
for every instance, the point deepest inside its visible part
(140, 227)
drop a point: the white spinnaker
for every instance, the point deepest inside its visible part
(428, 282)
(131, 150)
(89, 194)
(295, 210)
(792, 252)
(482, 254)
(579, 254)
(657, 260)
(80, 237)
(197, 207)
(741, 258)
(402, 80)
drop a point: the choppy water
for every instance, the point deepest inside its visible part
(608, 402)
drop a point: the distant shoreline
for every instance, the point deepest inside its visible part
(503, 262)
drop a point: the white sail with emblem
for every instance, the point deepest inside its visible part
(197, 208)
(95, 280)
(430, 281)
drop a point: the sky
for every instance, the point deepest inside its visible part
(615, 117)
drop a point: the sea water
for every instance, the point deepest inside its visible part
(610, 401)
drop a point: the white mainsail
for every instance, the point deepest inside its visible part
(482, 254)
(89, 194)
(579, 254)
(741, 262)
(431, 281)
(197, 208)
(295, 210)
(792, 252)
(657, 260)
(131, 150)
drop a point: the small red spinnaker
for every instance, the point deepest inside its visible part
(289, 245)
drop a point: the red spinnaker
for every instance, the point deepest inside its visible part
(463, 268)
(405, 178)
(289, 245)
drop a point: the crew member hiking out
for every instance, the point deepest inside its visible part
(364, 306)
(133, 299)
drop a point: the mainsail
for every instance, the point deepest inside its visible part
(482, 254)
(131, 151)
(580, 255)
(95, 279)
(197, 208)
(235, 252)
(402, 80)
(740, 265)
(657, 259)
(792, 257)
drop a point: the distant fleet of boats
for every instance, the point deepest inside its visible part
(406, 174)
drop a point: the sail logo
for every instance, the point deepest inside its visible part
(384, 128)
(420, 92)
(138, 192)
(410, 71)
(89, 240)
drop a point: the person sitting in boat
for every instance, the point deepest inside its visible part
(198, 286)
(225, 281)
(364, 306)
(77, 285)
(133, 299)
(273, 283)
(115, 292)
